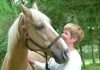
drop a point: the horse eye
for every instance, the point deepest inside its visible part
(40, 27)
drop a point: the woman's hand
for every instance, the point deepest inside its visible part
(31, 61)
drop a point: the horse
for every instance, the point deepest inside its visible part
(32, 31)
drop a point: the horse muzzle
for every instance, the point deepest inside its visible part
(63, 58)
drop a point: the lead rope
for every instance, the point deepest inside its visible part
(46, 56)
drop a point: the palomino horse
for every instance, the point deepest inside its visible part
(32, 30)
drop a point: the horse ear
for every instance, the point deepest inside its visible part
(35, 6)
(25, 10)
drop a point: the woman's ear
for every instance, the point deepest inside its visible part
(74, 38)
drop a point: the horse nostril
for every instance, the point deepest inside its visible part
(66, 51)
(65, 55)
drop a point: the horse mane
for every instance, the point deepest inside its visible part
(13, 34)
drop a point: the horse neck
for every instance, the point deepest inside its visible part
(19, 50)
(17, 58)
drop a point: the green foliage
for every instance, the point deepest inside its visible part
(86, 13)
(7, 16)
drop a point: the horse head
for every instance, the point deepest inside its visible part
(39, 34)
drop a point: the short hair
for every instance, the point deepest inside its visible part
(76, 30)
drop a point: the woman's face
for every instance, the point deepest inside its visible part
(66, 36)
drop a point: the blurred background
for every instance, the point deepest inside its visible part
(86, 13)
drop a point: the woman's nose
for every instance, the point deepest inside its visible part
(62, 34)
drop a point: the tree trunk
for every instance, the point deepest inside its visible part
(93, 55)
(82, 57)
(99, 51)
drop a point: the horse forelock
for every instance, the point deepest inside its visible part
(13, 34)
(39, 16)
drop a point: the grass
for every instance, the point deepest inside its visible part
(92, 67)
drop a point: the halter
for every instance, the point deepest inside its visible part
(28, 38)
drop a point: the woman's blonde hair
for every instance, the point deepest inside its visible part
(76, 30)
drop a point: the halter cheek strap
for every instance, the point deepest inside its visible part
(28, 38)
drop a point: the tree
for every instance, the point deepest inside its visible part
(86, 13)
